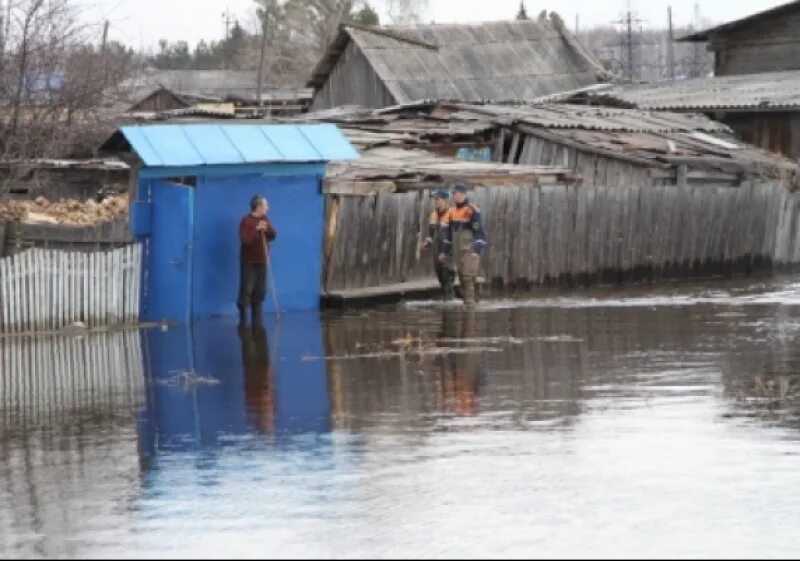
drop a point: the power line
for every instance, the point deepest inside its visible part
(626, 43)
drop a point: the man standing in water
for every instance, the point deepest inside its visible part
(255, 232)
(437, 234)
(466, 241)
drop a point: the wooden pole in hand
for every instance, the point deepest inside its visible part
(272, 288)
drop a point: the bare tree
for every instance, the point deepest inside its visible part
(406, 12)
(299, 32)
(56, 82)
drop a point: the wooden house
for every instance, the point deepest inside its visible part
(505, 60)
(767, 41)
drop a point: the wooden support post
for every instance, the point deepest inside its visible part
(512, 154)
(500, 146)
(683, 174)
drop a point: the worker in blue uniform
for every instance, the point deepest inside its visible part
(465, 242)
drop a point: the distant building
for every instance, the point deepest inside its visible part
(499, 61)
(764, 42)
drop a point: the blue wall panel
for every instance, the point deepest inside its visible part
(296, 209)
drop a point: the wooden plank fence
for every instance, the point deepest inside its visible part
(565, 233)
(42, 289)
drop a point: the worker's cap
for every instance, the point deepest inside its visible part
(440, 194)
(460, 188)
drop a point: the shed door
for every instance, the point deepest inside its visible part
(170, 270)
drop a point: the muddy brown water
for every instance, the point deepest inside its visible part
(659, 421)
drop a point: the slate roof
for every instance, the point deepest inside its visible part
(498, 61)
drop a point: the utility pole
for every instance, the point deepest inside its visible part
(7, 23)
(630, 46)
(104, 42)
(670, 46)
(263, 57)
(227, 19)
(577, 23)
(103, 48)
(2, 37)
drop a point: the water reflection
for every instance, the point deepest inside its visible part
(259, 383)
(67, 449)
(643, 427)
(461, 373)
(213, 382)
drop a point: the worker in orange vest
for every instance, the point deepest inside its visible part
(438, 224)
(465, 241)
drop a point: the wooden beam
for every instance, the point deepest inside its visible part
(357, 188)
(705, 162)
(512, 154)
(683, 172)
(332, 226)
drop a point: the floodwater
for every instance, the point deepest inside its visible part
(658, 421)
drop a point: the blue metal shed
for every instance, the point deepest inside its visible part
(194, 185)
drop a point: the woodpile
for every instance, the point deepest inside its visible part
(65, 212)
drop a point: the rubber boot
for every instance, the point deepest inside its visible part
(257, 316)
(450, 291)
(468, 291)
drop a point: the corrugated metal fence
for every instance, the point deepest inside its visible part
(43, 289)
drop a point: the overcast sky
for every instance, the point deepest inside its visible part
(141, 23)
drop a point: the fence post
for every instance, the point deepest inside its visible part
(2, 238)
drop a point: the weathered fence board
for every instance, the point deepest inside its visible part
(44, 289)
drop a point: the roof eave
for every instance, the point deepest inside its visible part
(701, 37)
(343, 37)
(329, 59)
(728, 26)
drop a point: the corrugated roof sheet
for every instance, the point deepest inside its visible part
(214, 144)
(608, 119)
(771, 90)
(506, 60)
(650, 138)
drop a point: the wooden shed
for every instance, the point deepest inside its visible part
(161, 99)
(604, 145)
(763, 42)
(506, 60)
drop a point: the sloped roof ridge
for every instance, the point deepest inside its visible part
(392, 34)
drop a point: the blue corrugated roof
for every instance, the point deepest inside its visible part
(212, 144)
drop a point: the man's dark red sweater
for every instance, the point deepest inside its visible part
(253, 240)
